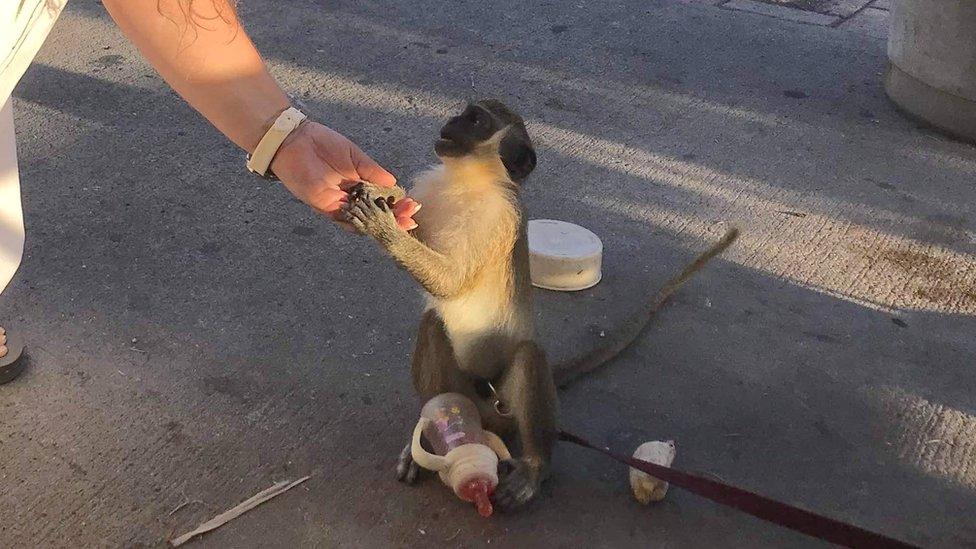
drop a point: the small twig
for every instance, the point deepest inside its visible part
(791, 213)
(138, 350)
(453, 536)
(238, 510)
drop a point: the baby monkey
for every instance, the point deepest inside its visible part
(470, 254)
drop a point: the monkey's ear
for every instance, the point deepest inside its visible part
(518, 156)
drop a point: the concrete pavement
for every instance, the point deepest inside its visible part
(197, 335)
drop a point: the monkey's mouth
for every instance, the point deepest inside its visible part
(448, 147)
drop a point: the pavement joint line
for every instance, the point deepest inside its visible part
(854, 14)
(783, 13)
(806, 14)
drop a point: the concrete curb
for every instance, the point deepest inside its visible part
(931, 45)
(947, 113)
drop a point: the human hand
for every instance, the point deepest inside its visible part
(319, 165)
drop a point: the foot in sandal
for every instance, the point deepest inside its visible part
(12, 360)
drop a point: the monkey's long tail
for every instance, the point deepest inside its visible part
(629, 332)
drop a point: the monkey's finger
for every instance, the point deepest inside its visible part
(357, 224)
(374, 205)
(354, 211)
(371, 198)
(343, 215)
(355, 208)
(362, 209)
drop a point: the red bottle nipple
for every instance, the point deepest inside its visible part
(478, 492)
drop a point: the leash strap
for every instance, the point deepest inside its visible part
(794, 518)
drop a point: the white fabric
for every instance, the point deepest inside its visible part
(11, 216)
(24, 25)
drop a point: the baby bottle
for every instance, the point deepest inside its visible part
(465, 455)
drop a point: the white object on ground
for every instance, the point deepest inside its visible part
(563, 256)
(241, 508)
(645, 487)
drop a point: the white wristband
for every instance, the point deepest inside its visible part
(259, 161)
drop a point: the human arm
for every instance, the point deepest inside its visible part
(201, 50)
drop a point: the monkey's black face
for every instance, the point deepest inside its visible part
(464, 132)
(478, 124)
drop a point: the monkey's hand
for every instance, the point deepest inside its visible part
(373, 215)
(403, 206)
(519, 481)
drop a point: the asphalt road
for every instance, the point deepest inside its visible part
(196, 334)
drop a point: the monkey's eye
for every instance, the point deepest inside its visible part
(477, 117)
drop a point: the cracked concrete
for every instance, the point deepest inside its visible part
(196, 334)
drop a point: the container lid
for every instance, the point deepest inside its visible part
(563, 256)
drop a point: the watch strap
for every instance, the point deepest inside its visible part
(259, 161)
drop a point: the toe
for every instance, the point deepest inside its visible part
(404, 464)
(412, 471)
(517, 485)
(3, 351)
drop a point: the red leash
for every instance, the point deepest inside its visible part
(758, 506)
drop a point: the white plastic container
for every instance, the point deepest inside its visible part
(564, 256)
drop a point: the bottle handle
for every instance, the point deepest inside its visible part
(497, 445)
(425, 459)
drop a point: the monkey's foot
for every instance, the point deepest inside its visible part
(407, 469)
(519, 483)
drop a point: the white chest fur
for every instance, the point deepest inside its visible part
(471, 218)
